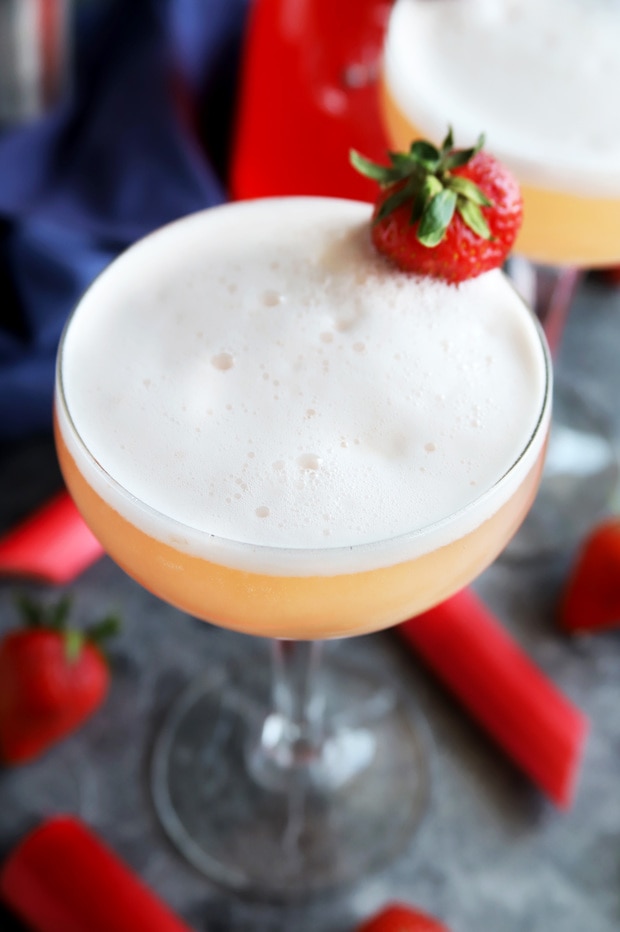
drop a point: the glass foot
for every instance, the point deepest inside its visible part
(579, 480)
(258, 829)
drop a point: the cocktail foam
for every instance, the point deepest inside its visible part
(256, 385)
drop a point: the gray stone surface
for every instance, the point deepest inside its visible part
(492, 853)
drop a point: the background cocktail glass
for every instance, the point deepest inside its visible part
(566, 229)
(316, 778)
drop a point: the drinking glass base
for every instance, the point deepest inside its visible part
(279, 834)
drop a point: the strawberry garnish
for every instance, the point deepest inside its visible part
(52, 678)
(448, 213)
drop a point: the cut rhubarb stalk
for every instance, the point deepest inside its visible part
(329, 102)
(62, 878)
(53, 544)
(528, 716)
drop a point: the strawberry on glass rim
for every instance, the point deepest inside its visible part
(448, 213)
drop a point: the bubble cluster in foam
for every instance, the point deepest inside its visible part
(539, 77)
(257, 372)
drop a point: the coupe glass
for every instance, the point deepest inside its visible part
(567, 229)
(310, 778)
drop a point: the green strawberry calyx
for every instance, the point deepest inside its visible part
(56, 617)
(424, 178)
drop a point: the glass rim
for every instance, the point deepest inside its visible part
(178, 528)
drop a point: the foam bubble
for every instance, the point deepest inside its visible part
(309, 461)
(222, 361)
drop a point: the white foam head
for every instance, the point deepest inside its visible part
(259, 373)
(539, 77)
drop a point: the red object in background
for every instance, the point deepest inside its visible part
(62, 878)
(308, 94)
(537, 726)
(591, 598)
(53, 30)
(398, 917)
(53, 545)
(612, 275)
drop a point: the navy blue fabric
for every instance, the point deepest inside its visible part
(115, 160)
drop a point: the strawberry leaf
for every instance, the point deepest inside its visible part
(31, 612)
(460, 157)
(431, 187)
(37, 615)
(104, 629)
(448, 143)
(381, 173)
(57, 615)
(55, 618)
(436, 218)
(392, 202)
(470, 191)
(403, 162)
(425, 154)
(74, 642)
(472, 216)
(419, 203)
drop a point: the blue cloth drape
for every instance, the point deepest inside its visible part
(116, 159)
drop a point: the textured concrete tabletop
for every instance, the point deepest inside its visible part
(492, 853)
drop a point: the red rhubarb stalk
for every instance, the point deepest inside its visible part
(528, 716)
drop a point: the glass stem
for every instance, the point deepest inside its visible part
(298, 706)
(292, 734)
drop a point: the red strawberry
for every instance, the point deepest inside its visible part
(401, 918)
(591, 598)
(448, 213)
(52, 679)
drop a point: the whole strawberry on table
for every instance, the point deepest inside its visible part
(400, 917)
(52, 678)
(445, 212)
